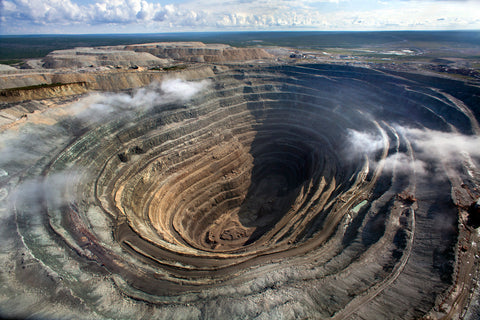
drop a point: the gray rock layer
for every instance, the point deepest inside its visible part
(249, 201)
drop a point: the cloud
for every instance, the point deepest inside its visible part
(433, 150)
(53, 191)
(403, 164)
(437, 148)
(97, 107)
(43, 11)
(22, 149)
(442, 146)
(114, 11)
(439, 0)
(364, 142)
(149, 15)
(181, 90)
(32, 141)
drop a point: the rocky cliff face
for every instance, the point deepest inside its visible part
(261, 197)
(200, 52)
(31, 86)
(43, 91)
(114, 68)
(85, 57)
(150, 55)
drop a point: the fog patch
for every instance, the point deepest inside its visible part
(445, 146)
(403, 164)
(54, 190)
(30, 143)
(181, 90)
(432, 150)
(3, 173)
(363, 143)
(27, 145)
(97, 107)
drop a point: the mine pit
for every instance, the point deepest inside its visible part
(272, 181)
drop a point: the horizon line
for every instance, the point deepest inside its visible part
(242, 31)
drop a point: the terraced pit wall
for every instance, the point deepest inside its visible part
(267, 194)
(29, 86)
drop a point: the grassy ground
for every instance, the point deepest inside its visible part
(10, 61)
(23, 47)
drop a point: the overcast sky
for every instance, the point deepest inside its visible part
(138, 16)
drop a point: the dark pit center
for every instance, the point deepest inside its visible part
(279, 170)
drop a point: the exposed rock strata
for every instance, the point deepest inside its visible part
(200, 52)
(45, 91)
(146, 60)
(150, 55)
(247, 201)
(113, 80)
(95, 57)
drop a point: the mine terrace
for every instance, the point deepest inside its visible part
(214, 181)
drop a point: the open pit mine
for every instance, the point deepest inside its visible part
(235, 186)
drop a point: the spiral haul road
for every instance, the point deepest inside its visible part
(274, 191)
